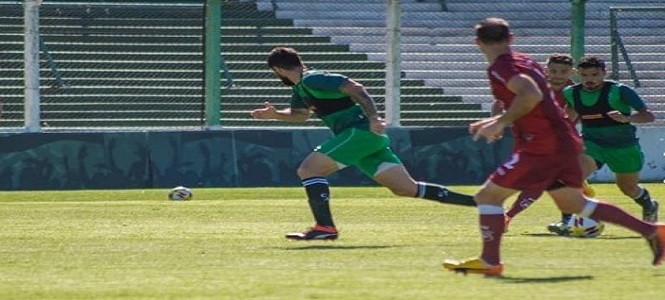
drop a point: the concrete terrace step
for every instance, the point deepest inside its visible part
(145, 23)
(477, 56)
(15, 26)
(467, 31)
(229, 109)
(190, 64)
(193, 40)
(307, 7)
(647, 45)
(648, 36)
(613, 2)
(184, 73)
(229, 57)
(355, 14)
(64, 97)
(512, 6)
(16, 85)
(162, 48)
(368, 46)
(516, 18)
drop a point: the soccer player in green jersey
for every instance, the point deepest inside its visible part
(605, 109)
(349, 111)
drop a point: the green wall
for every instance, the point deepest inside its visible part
(226, 158)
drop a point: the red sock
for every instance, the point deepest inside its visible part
(492, 228)
(612, 214)
(524, 200)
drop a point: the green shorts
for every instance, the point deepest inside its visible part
(360, 148)
(620, 160)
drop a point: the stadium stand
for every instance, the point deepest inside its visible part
(438, 48)
(140, 63)
(137, 65)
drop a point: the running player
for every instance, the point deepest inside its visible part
(546, 153)
(559, 71)
(359, 140)
(604, 108)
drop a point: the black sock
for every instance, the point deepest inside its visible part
(318, 195)
(441, 194)
(643, 198)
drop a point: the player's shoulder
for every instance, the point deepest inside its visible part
(567, 91)
(619, 86)
(313, 76)
(571, 87)
(513, 62)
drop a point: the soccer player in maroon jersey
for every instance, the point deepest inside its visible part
(546, 153)
(558, 72)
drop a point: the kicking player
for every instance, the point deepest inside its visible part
(359, 140)
(546, 153)
(559, 70)
(605, 110)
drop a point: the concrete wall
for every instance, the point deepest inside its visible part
(227, 158)
(243, 158)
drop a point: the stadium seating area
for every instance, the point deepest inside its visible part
(140, 64)
(123, 65)
(438, 47)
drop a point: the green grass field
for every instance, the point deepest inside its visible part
(228, 244)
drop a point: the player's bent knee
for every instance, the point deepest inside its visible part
(304, 173)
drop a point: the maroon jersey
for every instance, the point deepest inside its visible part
(558, 95)
(544, 130)
(559, 99)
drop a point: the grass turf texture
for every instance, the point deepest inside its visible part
(228, 244)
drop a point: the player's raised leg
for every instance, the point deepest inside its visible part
(396, 178)
(571, 200)
(524, 200)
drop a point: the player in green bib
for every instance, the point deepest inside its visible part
(359, 140)
(605, 109)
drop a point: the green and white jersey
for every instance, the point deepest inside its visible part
(319, 92)
(593, 107)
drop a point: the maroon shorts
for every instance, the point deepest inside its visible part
(536, 173)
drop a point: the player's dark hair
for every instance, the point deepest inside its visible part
(493, 30)
(589, 62)
(285, 58)
(560, 58)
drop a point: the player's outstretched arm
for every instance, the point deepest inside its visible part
(269, 112)
(473, 127)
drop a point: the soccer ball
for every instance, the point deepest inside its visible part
(585, 227)
(180, 193)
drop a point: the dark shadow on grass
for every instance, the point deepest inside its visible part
(605, 237)
(602, 237)
(334, 247)
(540, 235)
(508, 279)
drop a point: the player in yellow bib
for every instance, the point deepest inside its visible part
(359, 139)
